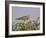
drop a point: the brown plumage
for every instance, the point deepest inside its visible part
(23, 18)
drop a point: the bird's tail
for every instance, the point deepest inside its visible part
(17, 18)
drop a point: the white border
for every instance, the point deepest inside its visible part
(25, 32)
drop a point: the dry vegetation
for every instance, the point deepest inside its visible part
(31, 25)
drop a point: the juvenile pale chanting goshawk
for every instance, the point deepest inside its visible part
(23, 18)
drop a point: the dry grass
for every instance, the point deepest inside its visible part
(31, 25)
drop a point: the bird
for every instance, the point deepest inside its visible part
(23, 18)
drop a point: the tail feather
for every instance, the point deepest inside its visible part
(17, 18)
